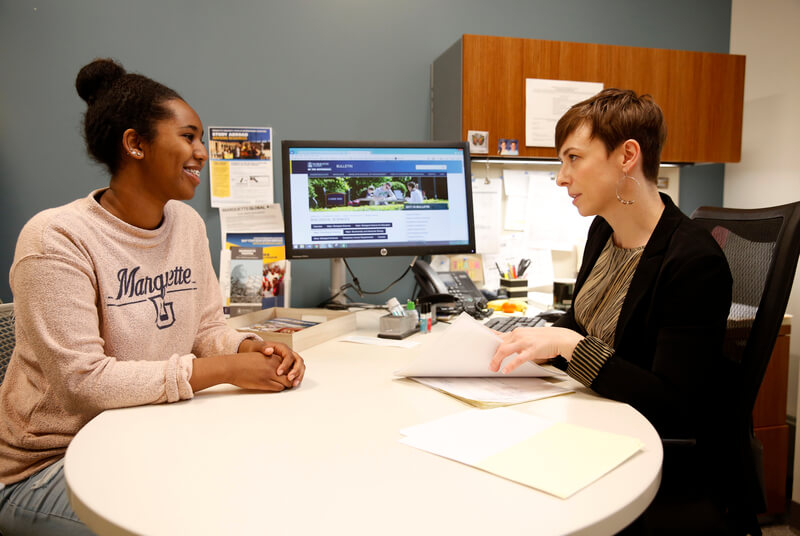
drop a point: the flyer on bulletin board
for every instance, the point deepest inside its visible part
(259, 272)
(240, 166)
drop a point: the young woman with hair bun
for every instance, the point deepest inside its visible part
(137, 318)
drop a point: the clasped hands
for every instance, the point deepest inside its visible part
(268, 366)
(533, 344)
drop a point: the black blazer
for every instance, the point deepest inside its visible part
(671, 327)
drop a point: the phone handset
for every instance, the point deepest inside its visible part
(428, 280)
(452, 291)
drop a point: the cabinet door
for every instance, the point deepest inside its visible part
(769, 423)
(770, 407)
(775, 440)
(701, 93)
(493, 91)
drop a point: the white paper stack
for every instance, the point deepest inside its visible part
(464, 350)
(457, 363)
(557, 458)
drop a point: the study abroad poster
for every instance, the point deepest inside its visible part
(240, 166)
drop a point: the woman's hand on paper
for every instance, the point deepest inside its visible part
(291, 366)
(533, 344)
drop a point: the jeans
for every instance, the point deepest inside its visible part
(38, 506)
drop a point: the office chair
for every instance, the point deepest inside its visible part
(7, 336)
(716, 486)
(762, 248)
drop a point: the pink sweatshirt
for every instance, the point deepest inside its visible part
(108, 315)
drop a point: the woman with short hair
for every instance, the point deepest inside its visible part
(653, 293)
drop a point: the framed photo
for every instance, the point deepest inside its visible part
(508, 146)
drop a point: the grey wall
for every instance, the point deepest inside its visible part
(311, 69)
(701, 185)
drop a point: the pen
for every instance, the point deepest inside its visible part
(501, 272)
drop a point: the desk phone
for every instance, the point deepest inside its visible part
(454, 285)
(460, 286)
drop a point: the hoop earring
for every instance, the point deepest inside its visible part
(619, 197)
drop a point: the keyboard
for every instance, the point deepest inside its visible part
(507, 323)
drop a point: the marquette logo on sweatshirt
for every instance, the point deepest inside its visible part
(135, 288)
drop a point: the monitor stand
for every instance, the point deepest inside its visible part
(338, 279)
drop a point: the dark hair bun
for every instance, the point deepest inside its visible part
(97, 77)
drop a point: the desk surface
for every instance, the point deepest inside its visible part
(325, 458)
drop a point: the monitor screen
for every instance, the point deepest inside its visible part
(356, 199)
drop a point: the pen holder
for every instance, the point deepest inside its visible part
(562, 293)
(397, 327)
(516, 288)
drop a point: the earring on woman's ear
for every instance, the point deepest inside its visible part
(619, 197)
(134, 152)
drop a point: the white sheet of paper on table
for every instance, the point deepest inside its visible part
(554, 457)
(489, 392)
(377, 341)
(473, 435)
(464, 350)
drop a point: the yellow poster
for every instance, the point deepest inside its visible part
(240, 166)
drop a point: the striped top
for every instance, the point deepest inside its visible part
(597, 307)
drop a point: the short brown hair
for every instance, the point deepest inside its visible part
(617, 115)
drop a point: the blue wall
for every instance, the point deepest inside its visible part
(311, 69)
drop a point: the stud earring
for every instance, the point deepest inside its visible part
(136, 153)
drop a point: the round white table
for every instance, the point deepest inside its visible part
(325, 458)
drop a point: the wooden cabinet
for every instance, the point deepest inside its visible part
(479, 84)
(769, 423)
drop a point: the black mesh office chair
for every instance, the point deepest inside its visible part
(7, 336)
(762, 248)
(716, 486)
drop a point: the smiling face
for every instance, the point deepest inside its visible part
(174, 158)
(589, 173)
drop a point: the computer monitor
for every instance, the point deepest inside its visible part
(362, 199)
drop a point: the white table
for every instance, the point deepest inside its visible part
(325, 459)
